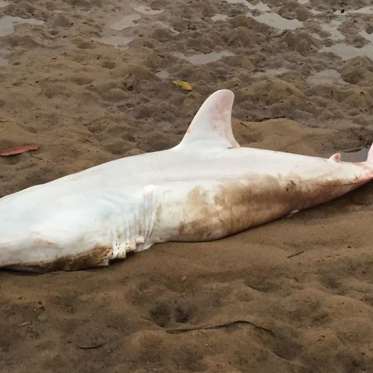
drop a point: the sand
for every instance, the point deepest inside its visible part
(91, 81)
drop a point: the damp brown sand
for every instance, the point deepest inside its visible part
(291, 296)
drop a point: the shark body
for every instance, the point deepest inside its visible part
(205, 188)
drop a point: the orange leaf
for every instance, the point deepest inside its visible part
(18, 150)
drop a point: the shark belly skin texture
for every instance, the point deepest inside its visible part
(205, 188)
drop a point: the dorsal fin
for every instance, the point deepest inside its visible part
(211, 126)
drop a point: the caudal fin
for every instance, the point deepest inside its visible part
(370, 155)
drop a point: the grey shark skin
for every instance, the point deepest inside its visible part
(205, 188)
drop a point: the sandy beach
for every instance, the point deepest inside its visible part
(92, 81)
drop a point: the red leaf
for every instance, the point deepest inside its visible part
(18, 150)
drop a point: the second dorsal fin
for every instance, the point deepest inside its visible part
(212, 126)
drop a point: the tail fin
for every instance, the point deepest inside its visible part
(370, 155)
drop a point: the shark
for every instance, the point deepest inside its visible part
(205, 188)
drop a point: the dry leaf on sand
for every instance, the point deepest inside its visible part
(18, 150)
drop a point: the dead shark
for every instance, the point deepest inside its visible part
(205, 188)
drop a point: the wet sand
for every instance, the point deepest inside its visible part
(92, 81)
